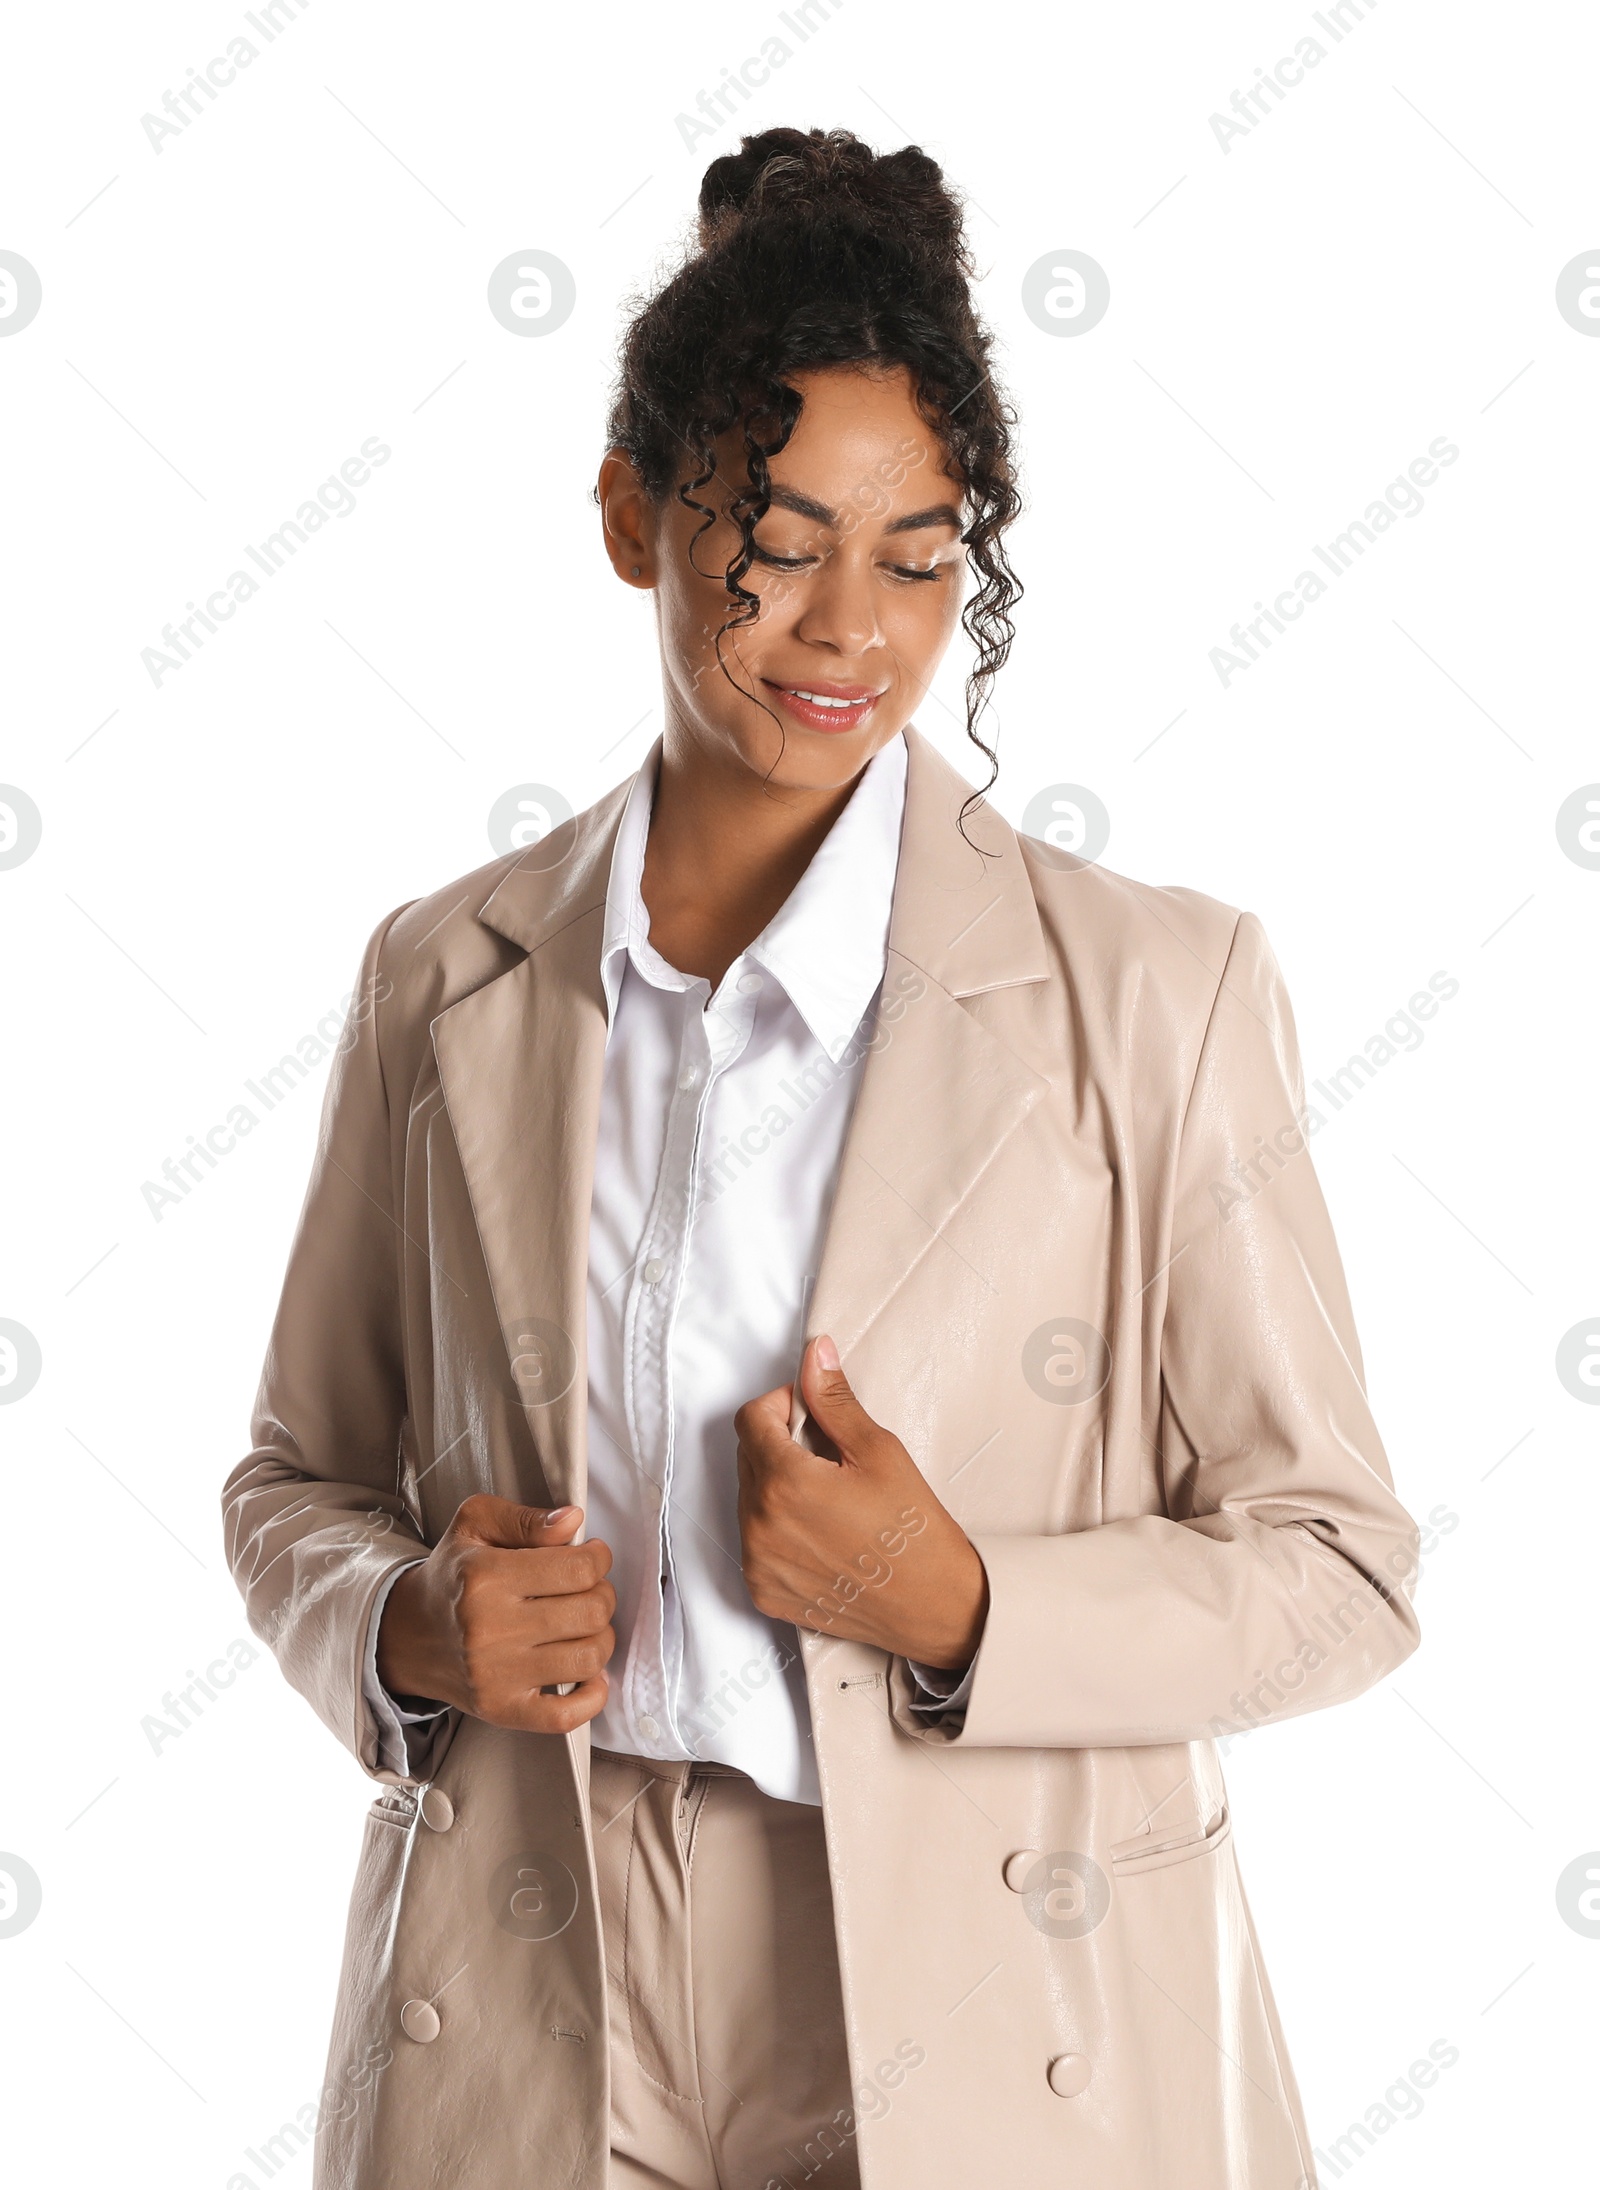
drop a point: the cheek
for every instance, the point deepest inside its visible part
(693, 602)
(691, 611)
(919, 621)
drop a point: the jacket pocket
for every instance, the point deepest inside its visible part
(1153, 1851)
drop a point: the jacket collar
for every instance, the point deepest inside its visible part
(963, 909)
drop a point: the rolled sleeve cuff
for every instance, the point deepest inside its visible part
(396, 1752)
(940, 1691)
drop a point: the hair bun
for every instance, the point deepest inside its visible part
(831, 172)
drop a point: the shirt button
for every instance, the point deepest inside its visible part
(648, 1727)
(654, 1270)
(750, 982)
(689, 1077)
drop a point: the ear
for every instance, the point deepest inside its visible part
(628, 521)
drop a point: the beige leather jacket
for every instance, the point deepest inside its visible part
(1080, 1262)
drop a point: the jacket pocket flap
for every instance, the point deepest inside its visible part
(1152, 1851)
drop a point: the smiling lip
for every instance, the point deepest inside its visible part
(826, 706)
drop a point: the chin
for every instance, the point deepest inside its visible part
(801, 759)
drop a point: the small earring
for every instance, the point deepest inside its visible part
(638, 571)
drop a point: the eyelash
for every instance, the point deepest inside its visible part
(803, 562)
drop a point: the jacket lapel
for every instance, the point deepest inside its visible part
(939, 1094)
(520, 1060)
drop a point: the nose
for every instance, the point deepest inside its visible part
(840, 611)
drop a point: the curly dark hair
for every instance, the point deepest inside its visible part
(813, 251)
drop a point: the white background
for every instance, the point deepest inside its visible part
(227, 319)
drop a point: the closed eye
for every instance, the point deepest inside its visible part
(909, 571)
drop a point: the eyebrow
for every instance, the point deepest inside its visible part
(921, 520)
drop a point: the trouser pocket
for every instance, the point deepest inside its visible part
(644, 1830)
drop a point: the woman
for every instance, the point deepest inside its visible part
(813, 1783)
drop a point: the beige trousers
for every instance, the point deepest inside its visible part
(728, 2064)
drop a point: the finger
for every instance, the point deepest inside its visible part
(527, 1645)
(769, 1444)
(540, 1620)
(513, 1527)
(759, 1417)
(763, 1434)
(569, 1661)
(826, 1391)
(559, 1571)
(564, 1570)
(540, 1714)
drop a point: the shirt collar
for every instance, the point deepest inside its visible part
(826, 945)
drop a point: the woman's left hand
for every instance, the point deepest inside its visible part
(859, 1546)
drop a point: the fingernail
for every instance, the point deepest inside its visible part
(559, 1513)
(827, 1353)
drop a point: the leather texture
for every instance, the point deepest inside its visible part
(1079, 1260)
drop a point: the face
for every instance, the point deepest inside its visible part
(859, 570)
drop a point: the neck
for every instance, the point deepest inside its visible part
(726, 848)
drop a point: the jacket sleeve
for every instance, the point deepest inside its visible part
(313, 1519)
(1279, 1578)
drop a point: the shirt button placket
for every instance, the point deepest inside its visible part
(670, 1233)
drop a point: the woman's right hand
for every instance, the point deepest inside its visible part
(504, 1607)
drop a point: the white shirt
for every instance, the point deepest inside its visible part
(722, 1122)
(722, 1119)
